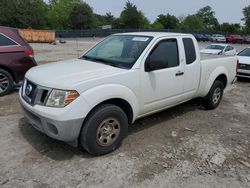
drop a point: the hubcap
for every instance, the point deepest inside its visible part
(4, 83)
(108, 131)
(216, 95)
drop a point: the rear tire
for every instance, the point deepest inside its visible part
(6, 82)
(214, 96)
(104, 129)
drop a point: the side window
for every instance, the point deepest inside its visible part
(165, 53)
(4, 41)
(228, 48)
(189, 50)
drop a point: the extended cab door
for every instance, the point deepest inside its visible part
(163, 76)
(192, 67)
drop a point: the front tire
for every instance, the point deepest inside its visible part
(214, 96)
(104, 129)
(6, 82)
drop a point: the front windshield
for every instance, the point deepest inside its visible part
(118, 50)
(215, 47)
(245, 52)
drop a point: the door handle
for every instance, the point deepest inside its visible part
(179, 73)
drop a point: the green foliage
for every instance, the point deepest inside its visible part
(59, 12)
(193, 23)
(168, 21)
(81, 16)
(145, 21)
(157, 25)
(100, 20)
(208, 17)
(23, 13)
(131, 18)
(76, 14)
(230, 28)
(246, 13)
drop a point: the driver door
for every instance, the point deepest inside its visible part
(162, 86)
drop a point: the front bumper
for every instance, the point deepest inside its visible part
(57, 123)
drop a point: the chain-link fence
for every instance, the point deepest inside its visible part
(106, 32)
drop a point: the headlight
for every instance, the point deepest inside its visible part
(61, 98)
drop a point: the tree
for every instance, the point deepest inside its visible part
(107, 19)
(23, 13)
(246, 13)
(130, 17)
(145, 21)
(81, 16)
(208, 16)
(99, 20)
(168, 21)
(157, 25)
(59, 11)
(193, 23)
(230, 28)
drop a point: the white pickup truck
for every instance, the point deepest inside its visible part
(91, 101)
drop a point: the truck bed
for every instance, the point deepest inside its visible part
(215, 64)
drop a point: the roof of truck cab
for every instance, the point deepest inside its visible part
(155, 34)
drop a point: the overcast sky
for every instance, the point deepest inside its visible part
(226, 10)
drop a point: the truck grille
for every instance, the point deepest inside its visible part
(244, 66)
(34, 94)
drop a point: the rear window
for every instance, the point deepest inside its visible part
(245, 52)
(5, 41)
(189, 50)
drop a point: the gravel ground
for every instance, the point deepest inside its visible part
(185, 146)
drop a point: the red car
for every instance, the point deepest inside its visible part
(235, 39)
(16, 58)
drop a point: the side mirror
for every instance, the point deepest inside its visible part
(151, 65)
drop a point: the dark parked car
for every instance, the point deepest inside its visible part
(202, 37)
(208, 38)
(16, 58)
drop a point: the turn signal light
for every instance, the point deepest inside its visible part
(72, 95)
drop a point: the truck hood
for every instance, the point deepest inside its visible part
(244, 60)
(210, 51)
(66, 74)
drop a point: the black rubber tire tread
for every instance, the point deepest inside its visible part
(88, 134)
(11, 82)
(208, 102)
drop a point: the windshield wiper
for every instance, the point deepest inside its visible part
(88, 58)
(104, 61)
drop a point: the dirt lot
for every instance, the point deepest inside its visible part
(185, 146)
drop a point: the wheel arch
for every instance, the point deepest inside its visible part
(115, 94)
(223, 78)
(220, 73)
(9, 71)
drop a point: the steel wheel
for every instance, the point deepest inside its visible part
(4, 83)
(216, 95)
(108, 131)
(213, 98)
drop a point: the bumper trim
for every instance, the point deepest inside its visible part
(67, 131)
(244, 75)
